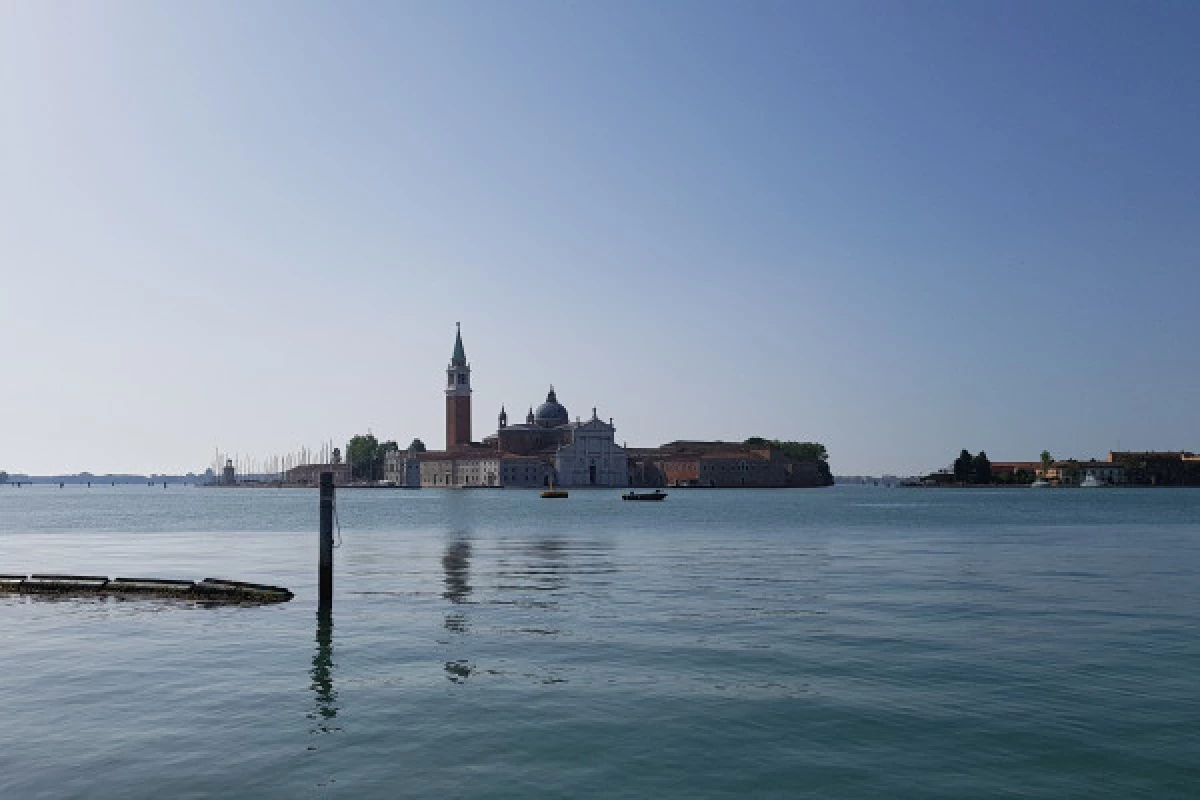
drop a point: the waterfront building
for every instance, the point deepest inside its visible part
(591, 457)
(1159, 468)
(402, 468)
(310, 474)
(719, 465)
(1015, 471)
(546, 448)
(482, 469)
(1070, 473)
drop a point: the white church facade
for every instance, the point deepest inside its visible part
(591, 457)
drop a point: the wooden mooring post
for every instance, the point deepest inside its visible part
(325, 561)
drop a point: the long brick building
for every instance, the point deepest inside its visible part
(720, 465)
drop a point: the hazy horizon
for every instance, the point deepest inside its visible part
(896, 229)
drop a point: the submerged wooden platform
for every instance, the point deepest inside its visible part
(209, 590)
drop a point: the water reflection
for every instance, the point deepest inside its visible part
(457, 565)
(514, 587)
(458, 671)
(325, 694)
(542, 567)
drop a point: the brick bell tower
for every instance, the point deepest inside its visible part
(458, 396)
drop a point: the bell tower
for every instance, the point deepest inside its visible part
(458, 396)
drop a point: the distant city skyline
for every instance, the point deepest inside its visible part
(897, 229)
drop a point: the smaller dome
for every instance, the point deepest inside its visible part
(551, 413)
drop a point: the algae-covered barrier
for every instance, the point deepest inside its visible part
(209, 590)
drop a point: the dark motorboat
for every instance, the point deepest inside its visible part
(657, 494)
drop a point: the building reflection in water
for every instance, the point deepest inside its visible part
(325, 694)
(526, 576)
(456, 563)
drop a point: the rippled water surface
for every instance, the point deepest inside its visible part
(845, 642)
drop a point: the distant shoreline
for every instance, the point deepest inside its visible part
(1030, 486)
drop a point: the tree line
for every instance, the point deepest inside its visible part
(366, 455)
(972, 469)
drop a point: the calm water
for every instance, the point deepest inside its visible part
(827, 643)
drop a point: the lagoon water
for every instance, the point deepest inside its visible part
(832, 643)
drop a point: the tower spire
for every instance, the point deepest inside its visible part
(459, 359)
(458, 395)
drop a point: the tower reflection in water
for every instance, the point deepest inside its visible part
(325, 695)
(456, 563)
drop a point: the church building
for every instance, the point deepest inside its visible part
(547, 447)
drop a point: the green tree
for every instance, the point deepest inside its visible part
(362, 452)
(800, 451)
(416, 446)
(962, 466)
(336, 458)
(804, 451)
(1047, 461)
(981, 469)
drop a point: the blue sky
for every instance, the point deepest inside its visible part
(897, 228)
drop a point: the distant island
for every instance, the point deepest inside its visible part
(1120, 468)
(548, 447)
(87, 478)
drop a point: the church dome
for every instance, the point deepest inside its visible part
(551, 413)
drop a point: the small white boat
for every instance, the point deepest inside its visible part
(1040, 483)
(1089, 482)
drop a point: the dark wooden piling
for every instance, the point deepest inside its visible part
(325, 558)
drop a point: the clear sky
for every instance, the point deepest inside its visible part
(899, 229)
